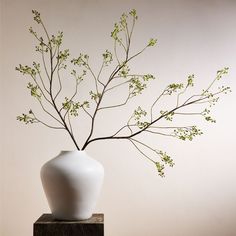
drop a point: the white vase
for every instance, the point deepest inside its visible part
(72, 182)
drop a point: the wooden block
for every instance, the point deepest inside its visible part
(47, 226)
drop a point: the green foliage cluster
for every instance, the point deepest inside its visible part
(187, 133)
(166, 160)
(73, 107)
(167, 115)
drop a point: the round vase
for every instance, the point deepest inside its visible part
(72, 182)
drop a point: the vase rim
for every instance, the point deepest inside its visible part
(72, 151)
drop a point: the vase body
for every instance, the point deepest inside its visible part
(72, 182)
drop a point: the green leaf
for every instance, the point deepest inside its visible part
(136, 86)
(133, 13)
(187, 133)
(160, 168)
(172, 88)
(34, 90)
(124, 71)
(152, 42)
(82, 60)
(57, 40)
(107, 57)
(94, 96)
(190, 80)
(36, 16)
(26, 70)
(27, 119)
(167, 115)
(148, 77)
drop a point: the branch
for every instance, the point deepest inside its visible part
(178, 96)
(160, 133)
(150, 124)
(116, 53)
(41, 91)
(87, 112)
(41, 79)
(100, 71)
(95, 78)
(68, 117)
(60, 85)
(51, 86)
(114, 106)
(40, 102)
(49, 126)
(44, 64)
(132, 141)
(188, 113)
(158, 98)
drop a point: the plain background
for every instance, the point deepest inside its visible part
(197, 197)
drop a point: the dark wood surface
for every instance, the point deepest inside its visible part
(46, 225)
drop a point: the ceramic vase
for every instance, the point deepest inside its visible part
(72, 182)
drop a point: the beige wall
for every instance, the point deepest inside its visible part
(197, 197)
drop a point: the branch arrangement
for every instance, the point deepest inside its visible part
(46, 86)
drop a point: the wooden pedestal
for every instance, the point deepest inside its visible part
(47, 226)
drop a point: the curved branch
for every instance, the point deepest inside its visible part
(44, 65)
(87, 112)
(132, 141)
(150, 124)
(40, 102)
(158, 98)
(100, 71)
(114, 106)
(95, 78)
(41, 91)
(60, 85)
(159, 133)
(49, 126)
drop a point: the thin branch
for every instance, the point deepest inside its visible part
(118, 85)
(41, 41)
(158, 98)
(56, 51)
(49, 126)
(131, 140)
(127, 37)
(196, 95)
(178, 96)
(209, 101)
(41, 90)
(188, 113)
(132, 29)
(159, 133)
(118, 105)
(76, 91)
(87, 112)
(68, 117)
(40, 102)
(100, 71)
(95, 78)
(45, 67)
(41, 79)
(60, 85)
(115, 51)
(121, 44)
(119, 130)
(135, 55)
(169, 127)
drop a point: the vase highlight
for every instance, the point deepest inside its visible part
(72, 182)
